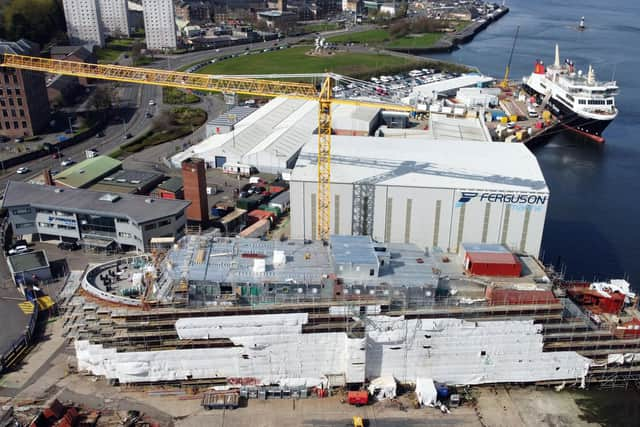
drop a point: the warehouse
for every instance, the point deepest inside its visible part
(270, 138)
(446, 194)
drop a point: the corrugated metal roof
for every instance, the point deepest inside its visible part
(426, 163)
(87, 171)
(492, 258)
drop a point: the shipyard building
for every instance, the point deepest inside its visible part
(435, 194)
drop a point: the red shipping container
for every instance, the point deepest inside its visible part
(358, 398)
(499, 264)
(274, 189)
(258, 214)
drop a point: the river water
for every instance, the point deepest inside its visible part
(593, 217)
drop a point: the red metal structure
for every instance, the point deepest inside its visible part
(501, 264)
(500, 296)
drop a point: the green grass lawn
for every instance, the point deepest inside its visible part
(370, 36)
(417, 41)
(383, 38)
(295, 60)
(317, 28)
(106, 55)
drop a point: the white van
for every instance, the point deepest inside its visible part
(532, 111)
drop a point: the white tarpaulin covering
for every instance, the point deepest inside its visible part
(614, 285)
(455, 351)
(426, 391)
(383, 387)
(272, 349)
(268, 348)
(622, 358)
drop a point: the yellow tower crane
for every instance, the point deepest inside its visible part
(244, 85)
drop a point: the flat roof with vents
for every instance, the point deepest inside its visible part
(87, 172)
(128, 181)
(137, 208)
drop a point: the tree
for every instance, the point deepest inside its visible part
(103, 98)
(37, 20)
(399, 28)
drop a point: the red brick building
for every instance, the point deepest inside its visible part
(24, 106)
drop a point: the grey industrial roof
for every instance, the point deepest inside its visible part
(127, 181)
(357, 250)
(232, 116)
(139, 209)
(282, 198)
(172, 184)
(232, 260)
(426, 163)
(28, 262)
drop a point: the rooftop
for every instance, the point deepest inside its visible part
(139, 209)
(128, 181)
(28, 262)
(173, 184)
(233, 116)
(79, 51)
(87, 171)
(425, 163)
(472, 79)
(21, 47)
(458, 129)
(280, 128)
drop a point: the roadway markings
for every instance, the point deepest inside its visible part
(26, 307)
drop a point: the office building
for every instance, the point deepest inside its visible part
(94, 219)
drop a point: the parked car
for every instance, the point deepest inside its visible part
(19, 250)
(100, 134)
(20, 242)
(127, 136)
(19, 139)
(68, 246)
(67, 162)
(152, 102)
(23, 170)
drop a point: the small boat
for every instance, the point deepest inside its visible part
(581, 26)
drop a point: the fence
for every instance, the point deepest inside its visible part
(20, 345)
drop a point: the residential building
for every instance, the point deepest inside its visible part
(93, 219)
(193, 12)
(77, 54)
(159, 24)
(114, 15)
(83, 22)
(24, 107)
(277, 19)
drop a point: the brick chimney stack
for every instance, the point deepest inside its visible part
(194, 179)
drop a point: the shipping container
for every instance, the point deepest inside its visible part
(258, 214)
(258, 229)
(497, 264)
(358, 398)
